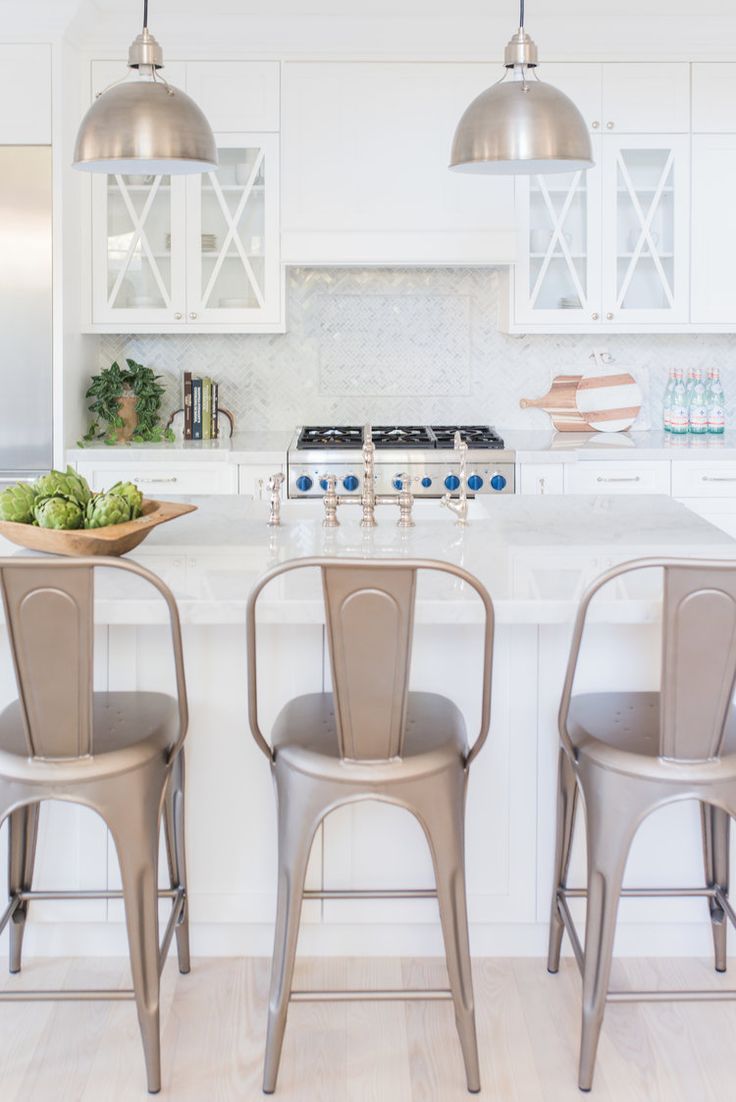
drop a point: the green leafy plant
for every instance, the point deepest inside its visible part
(106, 390)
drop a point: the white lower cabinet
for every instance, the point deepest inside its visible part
(167, 479)
(709, 489)
(542, 478)
(252, 479)
(612, 477)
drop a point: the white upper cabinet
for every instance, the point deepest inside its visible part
(713, 228)
(644, 98)
(610, 248)
(196, 253)
(366, 149)
(714, 98)
(25, 95)
(234, 96)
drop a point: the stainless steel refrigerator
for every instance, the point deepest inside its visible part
(25, 311)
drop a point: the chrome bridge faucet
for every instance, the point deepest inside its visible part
(459, 506)
(369, 499)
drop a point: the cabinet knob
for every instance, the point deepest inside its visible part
(609, 316)
(609, 126)
(595, 317)
(192, 315)
(178, 317)
(595, 124)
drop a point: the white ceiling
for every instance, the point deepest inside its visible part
(402, 8)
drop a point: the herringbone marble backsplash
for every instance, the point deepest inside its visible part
(390, 345)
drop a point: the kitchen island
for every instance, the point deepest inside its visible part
(535, 555)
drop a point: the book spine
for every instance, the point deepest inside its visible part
(187, 405)
(196, 409)
(206, 408)
(215, 410)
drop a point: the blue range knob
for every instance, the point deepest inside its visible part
(303, 483)
(475, 482)
(426, 482)
(498, 482)
(350, 482)
(397, 484)
(323, 483)
(452, 482)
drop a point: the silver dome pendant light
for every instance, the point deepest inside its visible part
(521, 126)
(145, 125)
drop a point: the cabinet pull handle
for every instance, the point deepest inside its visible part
(595, 316)
(595, 124)
(541, 485)
(629, 478)
(609, 316)
(153, 481)
(609, 126)
(177, 317)
(717, 478)
(192, 316)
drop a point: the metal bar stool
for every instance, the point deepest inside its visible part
(371, 738)
(118, 753)
(629, 753)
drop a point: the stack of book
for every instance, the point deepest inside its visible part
(201, 408)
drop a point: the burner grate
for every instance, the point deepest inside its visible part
(402, 436)
(475, 436)
(330, 436)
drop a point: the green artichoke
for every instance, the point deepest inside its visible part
(17, 502)
(105, 509)
(58, 512)
(63, 484)
(132, 495)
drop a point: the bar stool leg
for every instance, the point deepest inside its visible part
(716, 825)
(134, 824)
(22, 836)
(300, 809)
(567, 794)
(442, 814)
(176, 854)
(611, 824)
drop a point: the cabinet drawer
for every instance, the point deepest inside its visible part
(175, 478)
(703, 480)
(542, 478)
(618, 478)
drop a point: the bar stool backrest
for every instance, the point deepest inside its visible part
(369, 615)
(49, 613)
(698, 653)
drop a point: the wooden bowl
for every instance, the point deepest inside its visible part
(114, 539)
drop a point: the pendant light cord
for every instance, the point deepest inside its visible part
(521, 13)
(145, 14)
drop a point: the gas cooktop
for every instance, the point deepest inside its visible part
(319, 437)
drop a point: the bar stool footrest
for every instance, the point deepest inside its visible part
(399, 994)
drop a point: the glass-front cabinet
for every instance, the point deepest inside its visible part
(610, 246)
(170, 252)
(558, 273)
(646, 203)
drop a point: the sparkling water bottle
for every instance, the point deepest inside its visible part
(667, 411)
(697, 409)
(691, 372)
(715, 402)
(678, 405)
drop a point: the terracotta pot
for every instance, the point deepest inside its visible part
(126, 409)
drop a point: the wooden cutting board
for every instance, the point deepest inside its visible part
(609, 403)
(561, 404)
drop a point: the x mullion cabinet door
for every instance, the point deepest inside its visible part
(646, 237)
(138, 251)
(232, 236)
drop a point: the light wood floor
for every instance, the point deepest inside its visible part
(213, 1024)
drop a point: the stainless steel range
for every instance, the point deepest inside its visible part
(424, 453)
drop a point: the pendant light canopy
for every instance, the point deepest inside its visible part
(521, 125)
(145, 125)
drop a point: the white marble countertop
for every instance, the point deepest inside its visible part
(534, 554)
(530, 446)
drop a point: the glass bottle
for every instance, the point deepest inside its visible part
(667, 410)
(697, 410)
(678, 406)
(715, 402)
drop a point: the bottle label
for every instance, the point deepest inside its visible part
(716, 419)
(698, 417)
(678, 418)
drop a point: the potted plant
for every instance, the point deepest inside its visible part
(126, 406)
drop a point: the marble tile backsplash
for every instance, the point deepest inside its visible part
(412, 344)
